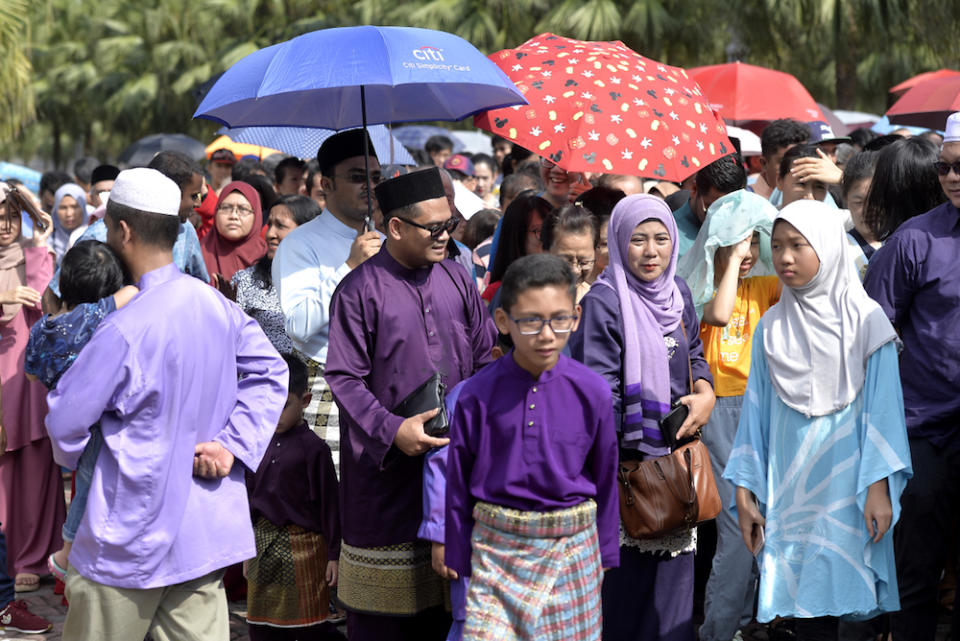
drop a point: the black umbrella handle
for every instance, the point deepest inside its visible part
(368, 221)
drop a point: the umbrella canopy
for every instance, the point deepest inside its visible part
(836, 123)
(416, 136)
(856, 119)
(899, 89)
(140, 153)
(349, 76)
(303, 142)
(29, 177)
(928, 103)
(749, 141)
(239, 149)
(601, 107)
(742, 92)
(884, 127)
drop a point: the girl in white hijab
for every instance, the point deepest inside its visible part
(821, 454)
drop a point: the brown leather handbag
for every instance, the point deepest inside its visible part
(669, 493)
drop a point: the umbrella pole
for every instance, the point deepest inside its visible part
(368, 222)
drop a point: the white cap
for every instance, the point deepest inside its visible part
(953, 128)
(146, 190)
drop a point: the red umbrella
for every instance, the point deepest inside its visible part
(909, 83)
(928, 103)
(742, 92)
(600, 107)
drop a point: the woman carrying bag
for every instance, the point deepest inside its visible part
(640, 331)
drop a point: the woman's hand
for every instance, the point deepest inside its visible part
(21, 295)
(40, 237)
(878, 512)
(700, 404)
(741, 251)
(751, 521)
(225, 287)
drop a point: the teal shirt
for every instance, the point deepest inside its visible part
(687, 227)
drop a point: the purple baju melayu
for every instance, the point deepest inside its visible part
(179, 365)
(391, 328)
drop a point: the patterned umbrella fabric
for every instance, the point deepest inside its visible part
(601, 107)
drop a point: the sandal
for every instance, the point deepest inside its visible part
(55, 568)
(26, 582)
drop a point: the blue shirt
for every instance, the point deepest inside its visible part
(186, 252)
(687, 228)
(915, 279)
(55, 342)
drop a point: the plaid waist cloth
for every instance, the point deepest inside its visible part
(286, 582)
(322, 414)
(536, 575)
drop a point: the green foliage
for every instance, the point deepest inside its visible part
(91, 77)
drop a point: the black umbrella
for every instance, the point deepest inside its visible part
(140, 153)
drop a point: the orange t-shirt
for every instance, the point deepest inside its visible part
(727, 349)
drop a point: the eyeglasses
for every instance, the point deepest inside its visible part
(533, 326)
(943, 168)
(240, 210)
(360, 178)
(546, 163)
(575, 262)
(436, 229)
(536, 231)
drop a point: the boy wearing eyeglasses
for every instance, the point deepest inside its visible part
(531, 472)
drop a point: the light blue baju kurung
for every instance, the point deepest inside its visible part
(810, 476)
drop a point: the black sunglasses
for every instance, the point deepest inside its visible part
(436, 229)
(943, 168)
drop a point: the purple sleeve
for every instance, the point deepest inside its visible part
(603, 461)
(349, 363)
(324, 491)
(75, 404)
(459, 509)
(598, 342)
(261, 393)
(434, 495)
(891, 279)
(484, 331)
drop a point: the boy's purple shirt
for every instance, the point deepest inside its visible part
(538, 445)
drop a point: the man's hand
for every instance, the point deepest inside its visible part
(436, 559)
(211, 460)
(364, 246)
(822, 169)
(412, 440)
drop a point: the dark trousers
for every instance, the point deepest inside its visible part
(429, 625)
(319, 632)
(818, 629)
(921, 539)
(6, 583)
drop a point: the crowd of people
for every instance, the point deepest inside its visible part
(404, 396)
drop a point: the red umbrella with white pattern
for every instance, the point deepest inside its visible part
(601, 107)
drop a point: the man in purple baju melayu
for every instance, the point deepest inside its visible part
(192, 386)
(403, 315)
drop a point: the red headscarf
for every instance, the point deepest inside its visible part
(226, 257)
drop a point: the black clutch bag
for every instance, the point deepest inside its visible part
(670, 425)
(429, 396)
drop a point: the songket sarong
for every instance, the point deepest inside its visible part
(322, 414)
(535, 575)
(393, 580)
(286, 583)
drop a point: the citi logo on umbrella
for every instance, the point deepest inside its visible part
(428, 53)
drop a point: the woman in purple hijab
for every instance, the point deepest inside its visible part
(638, 329)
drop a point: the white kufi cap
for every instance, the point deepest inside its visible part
(146, 190)
(953, 128)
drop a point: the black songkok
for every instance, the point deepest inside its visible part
(408, 189)
(104, 172)
(339, 147)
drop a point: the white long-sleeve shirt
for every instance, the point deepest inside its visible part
(308, 266)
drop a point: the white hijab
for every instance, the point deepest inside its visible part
(818, 338)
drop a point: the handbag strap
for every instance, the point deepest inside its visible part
(686, 340)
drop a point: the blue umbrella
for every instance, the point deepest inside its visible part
(349, 76)
(303, 142)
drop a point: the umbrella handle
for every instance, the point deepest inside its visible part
(368, 220)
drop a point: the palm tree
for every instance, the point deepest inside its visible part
(16, 97)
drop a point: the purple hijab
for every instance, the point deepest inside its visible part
(649, 311)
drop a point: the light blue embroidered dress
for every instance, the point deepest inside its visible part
(810, 477)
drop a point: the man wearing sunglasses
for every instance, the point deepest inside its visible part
(313, 259)
(404, 315)
(915, 279)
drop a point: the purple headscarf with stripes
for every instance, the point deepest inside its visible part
(649, 311)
